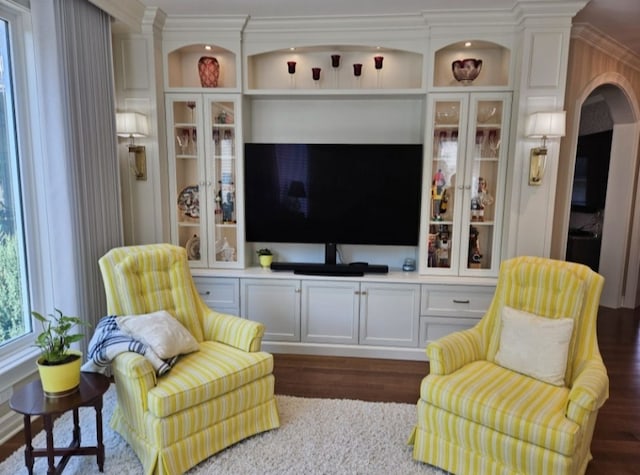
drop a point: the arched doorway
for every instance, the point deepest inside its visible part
(619, 224)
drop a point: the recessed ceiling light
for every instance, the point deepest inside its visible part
(467, 44)
(292, 49)
(207, 47)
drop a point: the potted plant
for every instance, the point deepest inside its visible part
(58, 365)
(266, 257)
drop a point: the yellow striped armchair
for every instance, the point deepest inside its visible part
(213, 397)
(479, 412)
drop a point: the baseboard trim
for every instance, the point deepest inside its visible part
(356, 351)
(11, 423)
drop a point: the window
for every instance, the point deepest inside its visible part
(15, 318)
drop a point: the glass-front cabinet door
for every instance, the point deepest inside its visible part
(204, 178)
(464, 183)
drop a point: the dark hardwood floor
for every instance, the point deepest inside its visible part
(616, 442)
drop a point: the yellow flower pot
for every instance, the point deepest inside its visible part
(63, 379)
(265, 261)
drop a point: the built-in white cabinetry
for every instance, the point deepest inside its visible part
(462, 207)
(445, 309)
(222, 294)
(333, 311)
(205, 156)
(393, 316)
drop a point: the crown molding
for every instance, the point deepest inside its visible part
(129, 13)
(217, 23)
(335, 23)
(607, 45)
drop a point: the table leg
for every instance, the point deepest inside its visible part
(76, 428)
(28, 447)
(100, 455)
(48, 427)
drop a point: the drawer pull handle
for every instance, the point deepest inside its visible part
(208, 292)
(461, 301)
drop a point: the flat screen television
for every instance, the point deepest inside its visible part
(333, 193)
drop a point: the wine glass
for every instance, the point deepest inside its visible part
(357, 72)
(494, 143)
(335, 64)
(315, 73)
(291, 68)
(183, 142)
(377, 60)
(192, 105)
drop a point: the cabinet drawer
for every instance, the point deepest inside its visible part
(456, 301)
(220, 293)
(433, 328)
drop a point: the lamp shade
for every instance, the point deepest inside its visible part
(131, 124)
(546, 124)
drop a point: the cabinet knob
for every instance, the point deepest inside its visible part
(364, 292)
(298, 290)
(208, 292)
(460, 187)
(467, 187)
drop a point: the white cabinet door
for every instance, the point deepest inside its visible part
(276, 304)
(330, 312)
(465, 170)
(205, 161)
(389, 314)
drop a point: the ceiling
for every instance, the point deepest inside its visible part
(617, 18)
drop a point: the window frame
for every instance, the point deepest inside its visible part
(18, 356)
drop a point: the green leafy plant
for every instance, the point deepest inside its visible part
(264, 252)
(56, 337)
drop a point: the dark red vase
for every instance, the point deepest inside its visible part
(209, 70)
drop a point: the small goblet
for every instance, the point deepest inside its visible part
(291, 67)
(357, 72)
(335, 64)
(192, 105)
(377, 61)
(315, 74)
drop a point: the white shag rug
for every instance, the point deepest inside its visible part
(316, 436)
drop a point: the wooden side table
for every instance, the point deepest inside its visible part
(30, 401)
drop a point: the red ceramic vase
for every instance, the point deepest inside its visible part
(209, 70)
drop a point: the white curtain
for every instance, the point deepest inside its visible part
(79, 150)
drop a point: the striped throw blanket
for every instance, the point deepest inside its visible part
(108, 341)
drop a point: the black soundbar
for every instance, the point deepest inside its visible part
(309, 268)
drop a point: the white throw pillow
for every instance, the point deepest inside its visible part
(534, 345)
(166, 336)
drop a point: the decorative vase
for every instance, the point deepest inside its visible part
(209, 71)
(466, 70)
(62, 379)
(265, 261)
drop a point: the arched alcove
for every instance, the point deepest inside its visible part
(619, 259)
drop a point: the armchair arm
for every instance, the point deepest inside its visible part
(135, 377)
(234, 331)
(589, 391)
(453, 351)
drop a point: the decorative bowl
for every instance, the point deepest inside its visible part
(466, 70)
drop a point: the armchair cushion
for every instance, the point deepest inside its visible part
(207, 374)
(166, 336)
(533, 345)
(507, 402)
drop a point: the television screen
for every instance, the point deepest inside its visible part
(333, 193)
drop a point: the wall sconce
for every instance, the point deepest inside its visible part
(134, 125)
(542, 125)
